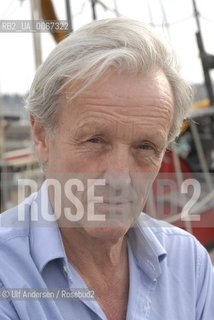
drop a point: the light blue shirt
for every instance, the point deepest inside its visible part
(171, 275)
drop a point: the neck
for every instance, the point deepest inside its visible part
(103, 265)
(86, 252)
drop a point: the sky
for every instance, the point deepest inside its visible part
(17, 64)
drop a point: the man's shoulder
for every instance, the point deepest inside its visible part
(15, 221)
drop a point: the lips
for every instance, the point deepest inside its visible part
(116, 202)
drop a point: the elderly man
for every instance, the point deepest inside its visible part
(103, 107)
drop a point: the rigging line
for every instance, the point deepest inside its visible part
(93, 8)
(182, 20)
(107, 8)
(12, 13)
(173, 22)
(205, 18)
(201, 16)
(80, 11)
(164, 14)
(116, 10)
(69, 15)
(8, 8)
(150, 14)
(15, 9)
(165, 19)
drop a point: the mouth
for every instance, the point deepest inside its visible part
(113, 204)
(117, 201)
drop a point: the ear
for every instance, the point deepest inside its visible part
(40, 139)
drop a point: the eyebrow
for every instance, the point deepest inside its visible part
(101, 129)
(91, 128)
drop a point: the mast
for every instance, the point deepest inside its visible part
(93, 8)
(196, 14)
(35, 13)
(166, 24)
(207, 60)
(69, 16)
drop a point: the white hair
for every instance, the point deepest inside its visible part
(127, 45)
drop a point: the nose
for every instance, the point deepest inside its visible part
(117, 173)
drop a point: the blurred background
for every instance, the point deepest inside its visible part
(189, 27)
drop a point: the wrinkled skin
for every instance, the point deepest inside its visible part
(116, 130)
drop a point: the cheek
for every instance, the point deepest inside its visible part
(143, 181)
(146, 174)
(156, 164)
(150, 164)
(61, 158)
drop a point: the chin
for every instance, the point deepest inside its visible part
(113, 225)
(111, 230)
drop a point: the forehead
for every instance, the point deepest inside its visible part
(142, 101)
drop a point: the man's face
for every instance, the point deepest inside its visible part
(116, 130)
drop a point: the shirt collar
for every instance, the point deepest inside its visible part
(45, 238)
(147, 249)
(46, 241)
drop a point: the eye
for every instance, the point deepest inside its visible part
(95, 140)
(145, 146)
(149, 149)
